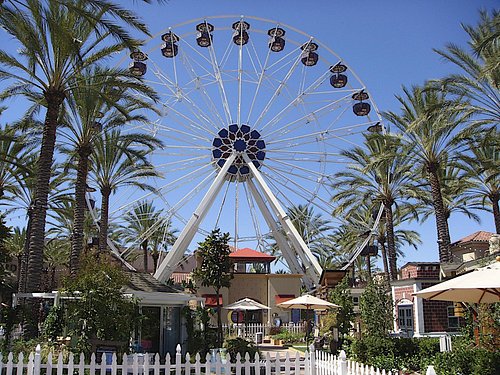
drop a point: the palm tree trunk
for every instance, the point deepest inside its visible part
(384, 258)
(391, 245)
(52, 278)
(368, 267)
(440, 213)
(155, 255)
(23, 271)
(54, 99)
(496, 211)
(79, 209)
(144, 245)
(103, 225)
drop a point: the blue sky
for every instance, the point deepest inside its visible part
(387, 43)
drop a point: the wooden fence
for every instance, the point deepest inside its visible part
(309, 363)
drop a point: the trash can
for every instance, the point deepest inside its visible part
(259, 337)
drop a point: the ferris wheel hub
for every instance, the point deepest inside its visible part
(240, 140)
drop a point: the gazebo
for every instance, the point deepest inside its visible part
(247, 260)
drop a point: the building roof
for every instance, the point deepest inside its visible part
(187, 264)
(144, 282)
(249, 255)
(479, 236)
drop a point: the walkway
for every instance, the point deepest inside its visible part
(278, 349)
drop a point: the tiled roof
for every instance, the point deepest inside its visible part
(479, 236)
(247, 253)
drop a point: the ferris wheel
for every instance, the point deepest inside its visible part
(254, 117)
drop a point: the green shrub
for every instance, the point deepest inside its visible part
(467, 361)
(28, 346)
(241, 346)
(100, 311)
(486, 363)
(199, 340)
(395, 353)
(54, 323)
(370, 347)
(428, 348)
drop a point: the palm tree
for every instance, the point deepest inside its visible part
(14, 150)
(119, 160)
(454, 192)
(481, 169)
(57, 40)
(88, 110)
(379, 173)
(23, 201)
(479, 81)
(345, 239)
(428, 122)
(147, 225)
(312, 227)
(359, 222)
(15, 246)
(55, 258)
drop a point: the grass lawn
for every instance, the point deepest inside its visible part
(300, 347)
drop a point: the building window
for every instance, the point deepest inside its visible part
(405, 317)
(452, 319)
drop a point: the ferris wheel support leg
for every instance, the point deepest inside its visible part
(175, 254)
(288, 253)
(313, 269)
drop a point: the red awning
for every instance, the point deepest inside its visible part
(211, 300)
(279, 298)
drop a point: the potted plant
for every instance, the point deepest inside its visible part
(276, 333)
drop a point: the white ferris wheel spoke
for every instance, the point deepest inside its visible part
(255, 219)
(259, 83)
(177, 95)
(220, 82)
(306, 195)
(285, 112)
(306, 118)
(295, 102)
(223, 202)
(200, 86)
(277, 92)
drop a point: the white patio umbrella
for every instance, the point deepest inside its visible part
(306, 301)
(245, 304)
(479, 286)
